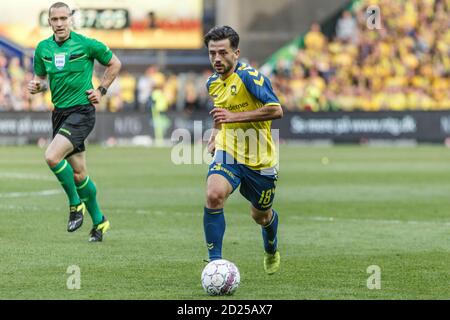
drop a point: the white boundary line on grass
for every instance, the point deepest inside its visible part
(332, 219)
(25, 176)
(310, 218)
(30, 194)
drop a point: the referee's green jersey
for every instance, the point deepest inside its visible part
(69, 67)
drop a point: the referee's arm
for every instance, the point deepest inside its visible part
(111, 72)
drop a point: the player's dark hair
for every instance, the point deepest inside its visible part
(58, 5)
(220, 33)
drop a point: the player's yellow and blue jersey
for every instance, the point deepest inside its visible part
(250, 143)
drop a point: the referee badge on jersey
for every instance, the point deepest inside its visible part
(233, 90)
(60, 60)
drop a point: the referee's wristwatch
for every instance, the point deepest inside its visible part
(102, 90)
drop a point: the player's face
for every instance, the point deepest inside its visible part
(60, 21)
(223, 58)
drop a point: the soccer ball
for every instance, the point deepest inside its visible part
(220, 277)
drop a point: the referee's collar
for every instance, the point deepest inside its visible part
(62, 42)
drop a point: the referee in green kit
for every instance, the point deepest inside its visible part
(66, 59)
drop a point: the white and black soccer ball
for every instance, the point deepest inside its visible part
(220, 277)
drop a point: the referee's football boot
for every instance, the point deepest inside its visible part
(76, 217)
(97, 231)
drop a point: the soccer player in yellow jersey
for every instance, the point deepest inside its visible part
(244, 152)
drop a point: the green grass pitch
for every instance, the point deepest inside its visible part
(388, 207)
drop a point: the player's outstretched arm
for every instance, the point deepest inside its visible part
(38, 84)
(270, 112)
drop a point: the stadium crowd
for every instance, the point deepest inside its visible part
(153, 88)
(404, 65)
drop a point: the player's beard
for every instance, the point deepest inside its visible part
(224, 67)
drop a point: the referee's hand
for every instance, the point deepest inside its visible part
(94, 96)
(34, 86)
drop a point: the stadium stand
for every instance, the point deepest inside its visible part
(405, 65)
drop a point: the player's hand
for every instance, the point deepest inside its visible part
(221, 115)
(94, 96)
(211, 146)
(35, 86)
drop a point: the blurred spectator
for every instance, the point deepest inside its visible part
(114, 100)
(127, 89)
(151, 20)
(145, 87)
(347, 28)
(158, 107)
(314, 39)
(192, 101)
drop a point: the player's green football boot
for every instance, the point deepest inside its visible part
(272, 262)
(76, 217)
(97, 232)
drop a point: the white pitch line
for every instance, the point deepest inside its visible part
(24, 176)
(29, 194)
(332, 219)
(22, 208)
